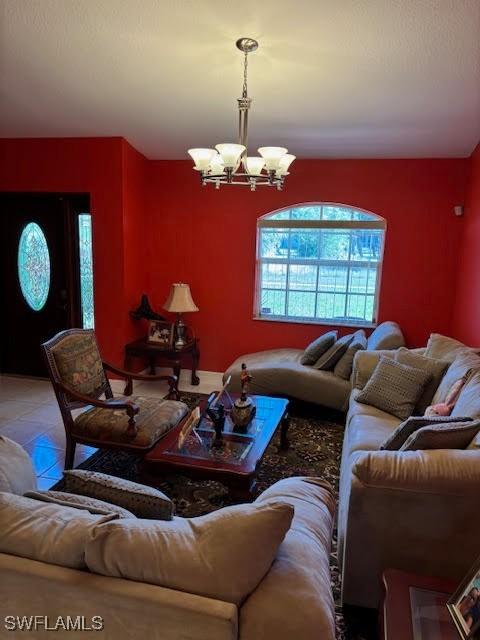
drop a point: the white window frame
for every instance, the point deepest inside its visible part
(266, 222)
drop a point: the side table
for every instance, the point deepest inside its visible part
(396, 615)
(155, 355)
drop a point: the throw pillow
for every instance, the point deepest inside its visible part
(205, 555)
(436, 367)
(468, 401)
(343, 368)
(46, 532)
(318, 347)
(463, 363)
(394, 387)
(329, 359)
(143, 501)
(445, 348)
(412, 424)
(79, 502)
(453, 435)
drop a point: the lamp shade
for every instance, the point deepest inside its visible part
(180, 299)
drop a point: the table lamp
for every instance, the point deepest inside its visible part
(180, 301)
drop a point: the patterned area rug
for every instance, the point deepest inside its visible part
(315, 436)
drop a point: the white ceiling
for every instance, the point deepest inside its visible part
(332, 78)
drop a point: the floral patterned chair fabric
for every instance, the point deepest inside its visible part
(79, 363)
(155, 418)
(79, 379)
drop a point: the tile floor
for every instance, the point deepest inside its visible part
(29, 415)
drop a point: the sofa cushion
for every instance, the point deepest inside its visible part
(444, 348)
(435, 367)
(17, 474)
(453, 435)
(464, 361)
(299, 579)
(329, 359)
(143, 501)
(222, 555)
(46, 532)
(387, 335)
(412, 424)
(394, 387)
(155, 418)
(318, 347)
(79, 502)
(343, 368)
(468, 402)
(364, 364)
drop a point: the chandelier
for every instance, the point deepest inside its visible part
(230, 163)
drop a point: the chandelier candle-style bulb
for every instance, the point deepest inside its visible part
(230, 153)
(254, 165)
(285, 162)
(272, 156)
(202, 157)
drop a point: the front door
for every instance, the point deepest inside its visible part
(40, 291)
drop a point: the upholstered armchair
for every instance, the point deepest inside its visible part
(79, 379)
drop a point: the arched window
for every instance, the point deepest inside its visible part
(319, 262)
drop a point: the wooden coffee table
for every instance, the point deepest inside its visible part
(235, 463)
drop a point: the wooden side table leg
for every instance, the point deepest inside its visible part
(284, 442)
(195, 360)
(151, 362)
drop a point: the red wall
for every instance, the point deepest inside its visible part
(92, 165)
(207, 238)
(466, 319)
(153, 224)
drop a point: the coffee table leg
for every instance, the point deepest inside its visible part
(284, 442)
(244, 491)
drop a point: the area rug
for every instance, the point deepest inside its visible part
(315, 436)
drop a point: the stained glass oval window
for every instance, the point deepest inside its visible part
(34, 266)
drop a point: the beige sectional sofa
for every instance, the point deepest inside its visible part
(293, 599)
(412, 510)
(280, 372)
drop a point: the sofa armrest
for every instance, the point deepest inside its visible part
(408, 511)
(450, 472)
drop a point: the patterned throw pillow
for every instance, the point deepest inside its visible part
(318, 347)
(329, 359)
(453, 435)
(343, 368)
(395, 388)
(411, 425)
(79, 502)
(436, 367)
(143, 501)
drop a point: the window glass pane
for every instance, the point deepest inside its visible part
(301, 304)
(86, 269)
(274, 276)
(281, 215)
(272, 302)
(366, 244)
(361, 215)
(336, 213)
(333, 279)
(304, 244)
(274, 244)
(303, 277)
(330, 305)
(334, 244)
(306, 213)
(33, 261)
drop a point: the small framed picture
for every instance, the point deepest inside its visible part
(464, 605)
(160, 333)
